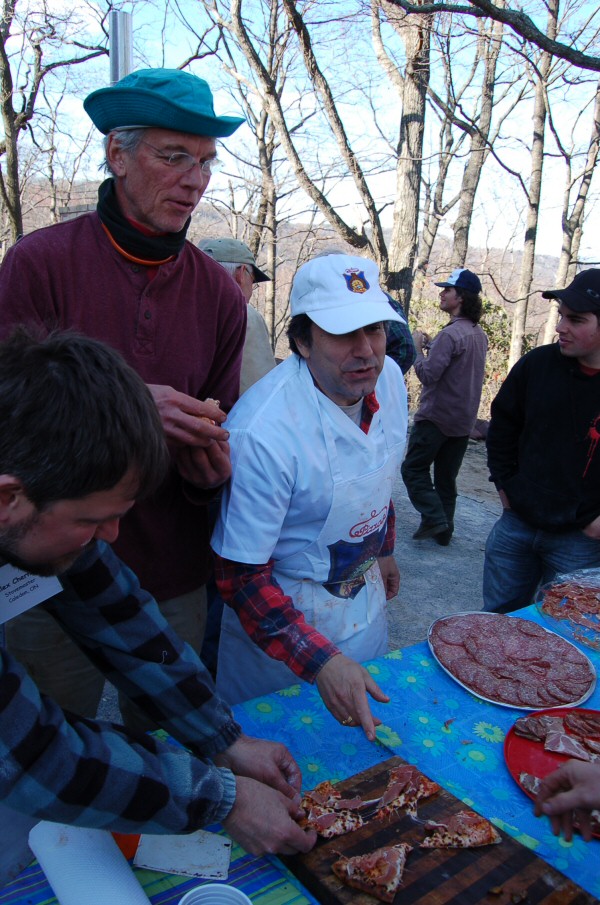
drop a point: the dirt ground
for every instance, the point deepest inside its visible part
(473, 478)
(439, 580)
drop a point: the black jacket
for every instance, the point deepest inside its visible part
(544, 441)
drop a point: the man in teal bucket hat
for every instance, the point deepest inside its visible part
(126, 274)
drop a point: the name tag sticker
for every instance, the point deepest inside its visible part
(19, 591)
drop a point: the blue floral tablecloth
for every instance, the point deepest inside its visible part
(452, 736)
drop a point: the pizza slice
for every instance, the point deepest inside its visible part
(329, 822)
(324, 794)
(463, 830)
(377, 873)
(406, 786)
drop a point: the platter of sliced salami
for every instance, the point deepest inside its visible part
(537, 744)
(571, 606)
(511, 661)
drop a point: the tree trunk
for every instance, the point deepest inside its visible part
(480, 147)
(403, 244)
(534, 195)
(572, 225)
(9, 182)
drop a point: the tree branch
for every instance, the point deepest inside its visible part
(520, 23)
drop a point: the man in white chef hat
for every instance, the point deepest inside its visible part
(305, 537)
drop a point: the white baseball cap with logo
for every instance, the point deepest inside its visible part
(340, 293)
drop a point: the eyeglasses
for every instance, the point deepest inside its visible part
(183, 162)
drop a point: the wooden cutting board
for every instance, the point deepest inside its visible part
(503, 874)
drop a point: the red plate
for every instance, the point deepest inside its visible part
(522, 755)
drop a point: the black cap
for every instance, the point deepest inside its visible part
(582, 295)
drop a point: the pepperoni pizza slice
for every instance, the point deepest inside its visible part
(378, 873)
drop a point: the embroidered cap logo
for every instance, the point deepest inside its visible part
(356, 280)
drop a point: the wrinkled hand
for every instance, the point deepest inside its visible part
(205, 466)
(568, 794)
(182, 418)
(262, 820)
(267, 762)
(593, 529)
(390, 573)
(343, 684)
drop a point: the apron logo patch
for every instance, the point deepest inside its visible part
(356, 280)
(349, 562)
(373, 523)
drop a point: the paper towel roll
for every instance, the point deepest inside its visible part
(84, 866)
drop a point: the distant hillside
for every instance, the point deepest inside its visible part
(499, 269)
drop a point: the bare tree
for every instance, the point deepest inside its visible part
(515, 18)
(573, 211)
(489, 44)
(534, 191)
(33, 46)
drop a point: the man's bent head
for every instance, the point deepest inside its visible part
(76, 419)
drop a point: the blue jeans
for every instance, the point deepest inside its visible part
(519, 558)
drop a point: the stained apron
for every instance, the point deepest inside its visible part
(335, 581)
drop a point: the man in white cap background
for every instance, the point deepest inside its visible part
(451, 375)
(239, 262)
(127, 275)
(544, 456)
(316, 445)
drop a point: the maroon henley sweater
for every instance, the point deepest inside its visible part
(183, 328)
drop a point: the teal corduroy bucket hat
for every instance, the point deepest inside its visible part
(159, 98)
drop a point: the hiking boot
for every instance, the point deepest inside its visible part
(426, 529)
(443, 538)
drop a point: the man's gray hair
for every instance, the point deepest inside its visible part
(126, 139)
(231, 267)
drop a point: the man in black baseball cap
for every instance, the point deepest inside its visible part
(583, 294)
(544, 456)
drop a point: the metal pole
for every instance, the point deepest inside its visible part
(120, 45)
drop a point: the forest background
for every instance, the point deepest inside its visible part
(426, 136)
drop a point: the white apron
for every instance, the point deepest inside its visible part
(335, 581)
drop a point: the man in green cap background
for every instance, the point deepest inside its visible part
(127, 275)
(239, 262)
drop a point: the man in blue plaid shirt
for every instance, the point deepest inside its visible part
(81, 440)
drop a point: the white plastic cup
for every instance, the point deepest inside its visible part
(215, 894)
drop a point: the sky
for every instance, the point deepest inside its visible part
(498, 215)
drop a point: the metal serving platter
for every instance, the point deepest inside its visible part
(517, 706)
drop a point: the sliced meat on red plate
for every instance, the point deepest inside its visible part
(561, 743)
(583, 724)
